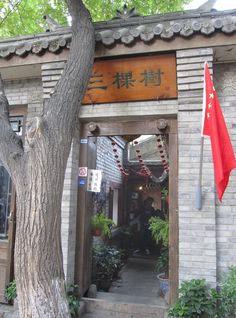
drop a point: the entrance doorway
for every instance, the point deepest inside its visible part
(141, 173)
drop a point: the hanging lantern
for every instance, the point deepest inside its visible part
(162, 152)
(118, 161)
(144, 169)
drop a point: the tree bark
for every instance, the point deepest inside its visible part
(38, 172)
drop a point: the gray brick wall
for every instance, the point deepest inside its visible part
(26, 92)
(51, 73)
(107, 163)
(197, 229)
(225, 84)
(105, 158)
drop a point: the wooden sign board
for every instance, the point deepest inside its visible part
(132, 79)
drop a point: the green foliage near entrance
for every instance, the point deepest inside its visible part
(18, 17)
(160, 232)
(73, 300)
(197, 300)
(107, 262)
(10, 292)
(228, 293)
(103, 223)
(159, 229)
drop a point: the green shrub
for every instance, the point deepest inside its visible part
(107, 261)
(195, 301)
(10, 292)
(72, 300)
(228, 293)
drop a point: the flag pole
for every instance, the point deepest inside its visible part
(198, 197)
(198, 194)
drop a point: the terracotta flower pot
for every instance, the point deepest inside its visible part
(97, 232)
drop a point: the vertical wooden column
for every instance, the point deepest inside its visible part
(173, 217)
(83, 263)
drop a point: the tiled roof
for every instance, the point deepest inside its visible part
(165, 27)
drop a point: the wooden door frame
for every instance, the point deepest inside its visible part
(144, 127)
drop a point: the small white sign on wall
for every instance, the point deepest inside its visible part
(83, 171)
(94, 180)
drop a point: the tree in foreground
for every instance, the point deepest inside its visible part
(37, 170)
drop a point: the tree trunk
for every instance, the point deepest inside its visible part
(38, 255)
(38, 171)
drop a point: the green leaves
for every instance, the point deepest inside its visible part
(18, 17)
(26, 16)
(10, 292)
(162, 264)
(101, 221)
(107, 261)
(159, 229)
(228, 292)
(197, 300)
(73, 300)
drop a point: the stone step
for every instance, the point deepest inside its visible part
(130, 298)
(109, 314)
(103, 308)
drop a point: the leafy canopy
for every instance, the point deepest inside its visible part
(19, 17)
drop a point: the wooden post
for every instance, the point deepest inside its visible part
(173, 218)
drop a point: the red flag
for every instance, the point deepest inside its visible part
(215, 127)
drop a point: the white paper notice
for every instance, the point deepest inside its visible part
(94, 180)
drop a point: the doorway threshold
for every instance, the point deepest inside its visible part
(135, 295)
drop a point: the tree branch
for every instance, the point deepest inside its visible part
(70, 89)
(77, 11)
(10, 144)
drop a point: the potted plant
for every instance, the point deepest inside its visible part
(107, 262)
(162, 268)
(101, 224)
(160, 232)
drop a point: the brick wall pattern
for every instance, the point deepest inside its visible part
(197, 229)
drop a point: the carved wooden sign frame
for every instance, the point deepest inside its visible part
(137, 78)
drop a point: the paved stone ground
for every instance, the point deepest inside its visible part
(138, 279)
(7, 311)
